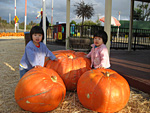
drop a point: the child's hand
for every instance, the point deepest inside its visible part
(37, 66)
(56, 59)
(85, 56)
(101, 67)
(46, 59)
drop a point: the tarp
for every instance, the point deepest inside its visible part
(136, 24)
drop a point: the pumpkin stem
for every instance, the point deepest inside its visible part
(71, 57)
(107, 74)
(54, 78)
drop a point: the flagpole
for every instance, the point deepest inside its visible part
(44, 21)
(118, 27)
(52, 15)
(25, 16)
(15, 16)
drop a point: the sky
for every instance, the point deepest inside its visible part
(7, 7)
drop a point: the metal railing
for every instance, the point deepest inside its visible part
(119, 37)
(140, 38)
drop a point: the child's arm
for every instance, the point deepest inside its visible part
(104, 58)
(46, 59)
(37, 66)
(31, 56)
(50, 54)
(56, 59)
(88, 55)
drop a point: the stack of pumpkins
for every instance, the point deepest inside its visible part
(43, 89)
(11, 34)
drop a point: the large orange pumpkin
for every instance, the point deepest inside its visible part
(70, 66)
(40, 90)
(103, 90)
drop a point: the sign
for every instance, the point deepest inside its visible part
(17, 19)
(59, 35)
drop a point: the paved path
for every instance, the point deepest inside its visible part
(134, 66)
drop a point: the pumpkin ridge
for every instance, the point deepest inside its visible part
(95, 87)
(107, 105)
(60, 64)
(121, 90)
(122, 94)
(107, 74)
(56, 82)
(61, 98)
(28, 75)
(42, 104)
(111, 81)
(22, 79)
(60, 84)
(33, 95)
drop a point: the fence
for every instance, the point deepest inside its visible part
(140, 39)
(119, 37)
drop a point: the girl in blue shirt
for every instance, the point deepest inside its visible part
(35, 51)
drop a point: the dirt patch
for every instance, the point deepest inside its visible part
(11, 51)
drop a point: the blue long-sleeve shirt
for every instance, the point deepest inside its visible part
(35, 56)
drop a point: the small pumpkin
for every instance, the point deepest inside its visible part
(40, 90)
(12, 34)
(103, 90)
(70, 66)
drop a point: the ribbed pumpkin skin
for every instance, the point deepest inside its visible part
(70, 66)
(37, 90)
(100, 93)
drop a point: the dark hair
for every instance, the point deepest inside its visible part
(102, 34)
(37, 29)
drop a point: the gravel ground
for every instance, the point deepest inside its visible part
(11, 51)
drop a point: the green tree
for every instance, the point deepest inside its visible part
(84, 11)
(73, 22)
(13, 22)
(21, 25)
(31, 23)
(142, 12)
(98, 22)
(87, 22)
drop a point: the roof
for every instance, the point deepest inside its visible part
(143, 0)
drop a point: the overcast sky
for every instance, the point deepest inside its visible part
(59, 9)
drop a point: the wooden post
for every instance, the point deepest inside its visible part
(44, 21)
(67, 24)
(107, 24)
(131, 25)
